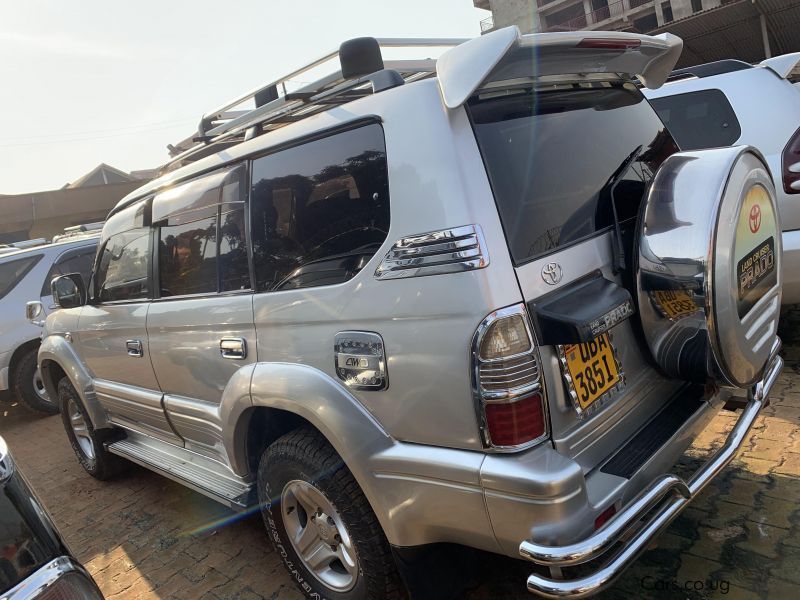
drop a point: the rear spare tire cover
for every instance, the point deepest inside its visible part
(709, 266)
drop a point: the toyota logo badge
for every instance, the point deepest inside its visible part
(551, 273)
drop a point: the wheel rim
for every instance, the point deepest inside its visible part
(38, 386)
(80, 429)
(318, 535)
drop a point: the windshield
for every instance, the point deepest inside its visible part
(12, 272)
(557, 156)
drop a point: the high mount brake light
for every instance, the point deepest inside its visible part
(609, 43)
(790, 165)
(506, 381)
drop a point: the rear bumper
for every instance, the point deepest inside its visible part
(5, 358)
(638, 523)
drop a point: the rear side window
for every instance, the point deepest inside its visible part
(699, 120)
(320, 210)
(122, 272)
(73, 261)
(558, 157)
(12, 272)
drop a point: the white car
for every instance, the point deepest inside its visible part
(25, 274)
(728, 103)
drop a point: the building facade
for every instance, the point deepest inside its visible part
(749, 30)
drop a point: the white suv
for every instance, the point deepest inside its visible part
(25, 275)
(730, 102)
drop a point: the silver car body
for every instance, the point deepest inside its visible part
(154, 367)
(767, 106)
(15, 330)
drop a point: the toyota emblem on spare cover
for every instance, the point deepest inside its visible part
(551, 273)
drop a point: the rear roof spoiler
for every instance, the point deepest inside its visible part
(506, 54)
(785, 66)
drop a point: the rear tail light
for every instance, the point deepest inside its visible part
(506, 381)
(609, 43)
(790, 165)
(604, 517)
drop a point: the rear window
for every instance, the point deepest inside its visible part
(699, 120)
(556, 158)
(12, 272)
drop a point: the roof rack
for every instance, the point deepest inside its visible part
(362, 72)
(719, 67)
(78, 231)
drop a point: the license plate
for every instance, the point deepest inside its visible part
(593, 369)
(674, 303)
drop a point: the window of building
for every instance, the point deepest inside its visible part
(202, 246)
(320, 210)
(697, 120)
(646, 23)
(697, 5)
(74, 261)
(12, 272)
(122, 273)
(666, 9)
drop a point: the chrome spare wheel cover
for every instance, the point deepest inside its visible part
(80, 429)
(38, 386)
(709, 274)
(318, 535)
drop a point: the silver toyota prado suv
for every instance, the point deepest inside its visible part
(481, 300)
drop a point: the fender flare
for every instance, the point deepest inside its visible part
(56, 349)
(319, 399)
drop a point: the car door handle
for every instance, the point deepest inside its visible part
(233, 348)
(134, 347)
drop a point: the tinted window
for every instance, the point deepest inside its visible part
(75, 261)
(556, 159)
(123, 269)
(12, 272)
(203, 248)
(320, 210)
(699, 120)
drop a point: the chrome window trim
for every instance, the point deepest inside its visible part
(43, 578)
(480, 398)
(403, 259)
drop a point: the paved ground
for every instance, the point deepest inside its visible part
(142, 536)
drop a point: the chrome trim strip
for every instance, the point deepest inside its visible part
(435, 253)
(38, 583)
(663, 488)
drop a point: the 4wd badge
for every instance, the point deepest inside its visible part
(360, 360)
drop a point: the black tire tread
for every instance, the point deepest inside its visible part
(21, 383)
(309, 447)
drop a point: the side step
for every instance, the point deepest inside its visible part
(197, 472)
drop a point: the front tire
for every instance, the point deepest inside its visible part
(29, 387)
(86, 441)
(321, 524)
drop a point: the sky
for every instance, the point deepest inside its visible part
(90, 81)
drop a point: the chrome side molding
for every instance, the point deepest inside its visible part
(435, 253)
(677, 493)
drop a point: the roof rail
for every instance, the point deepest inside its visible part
(719, 67)
(361, 72)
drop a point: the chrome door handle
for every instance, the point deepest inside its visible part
(233, 348)
(134, 347)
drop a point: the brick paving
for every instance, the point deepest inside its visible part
(143, 536)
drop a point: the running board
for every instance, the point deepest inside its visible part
(197, 472)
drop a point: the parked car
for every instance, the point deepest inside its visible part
(480, 300)
(731, 102)
(25, 275)
(34, 561)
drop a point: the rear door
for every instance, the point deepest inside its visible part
(563, 157)
(112, 332)
(200, 326)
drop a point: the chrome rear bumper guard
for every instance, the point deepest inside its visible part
(677, 493)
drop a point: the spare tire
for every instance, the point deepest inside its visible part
(709, 266)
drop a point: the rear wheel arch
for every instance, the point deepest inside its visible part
(21, 351)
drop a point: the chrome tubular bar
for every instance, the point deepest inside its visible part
(671, 488)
